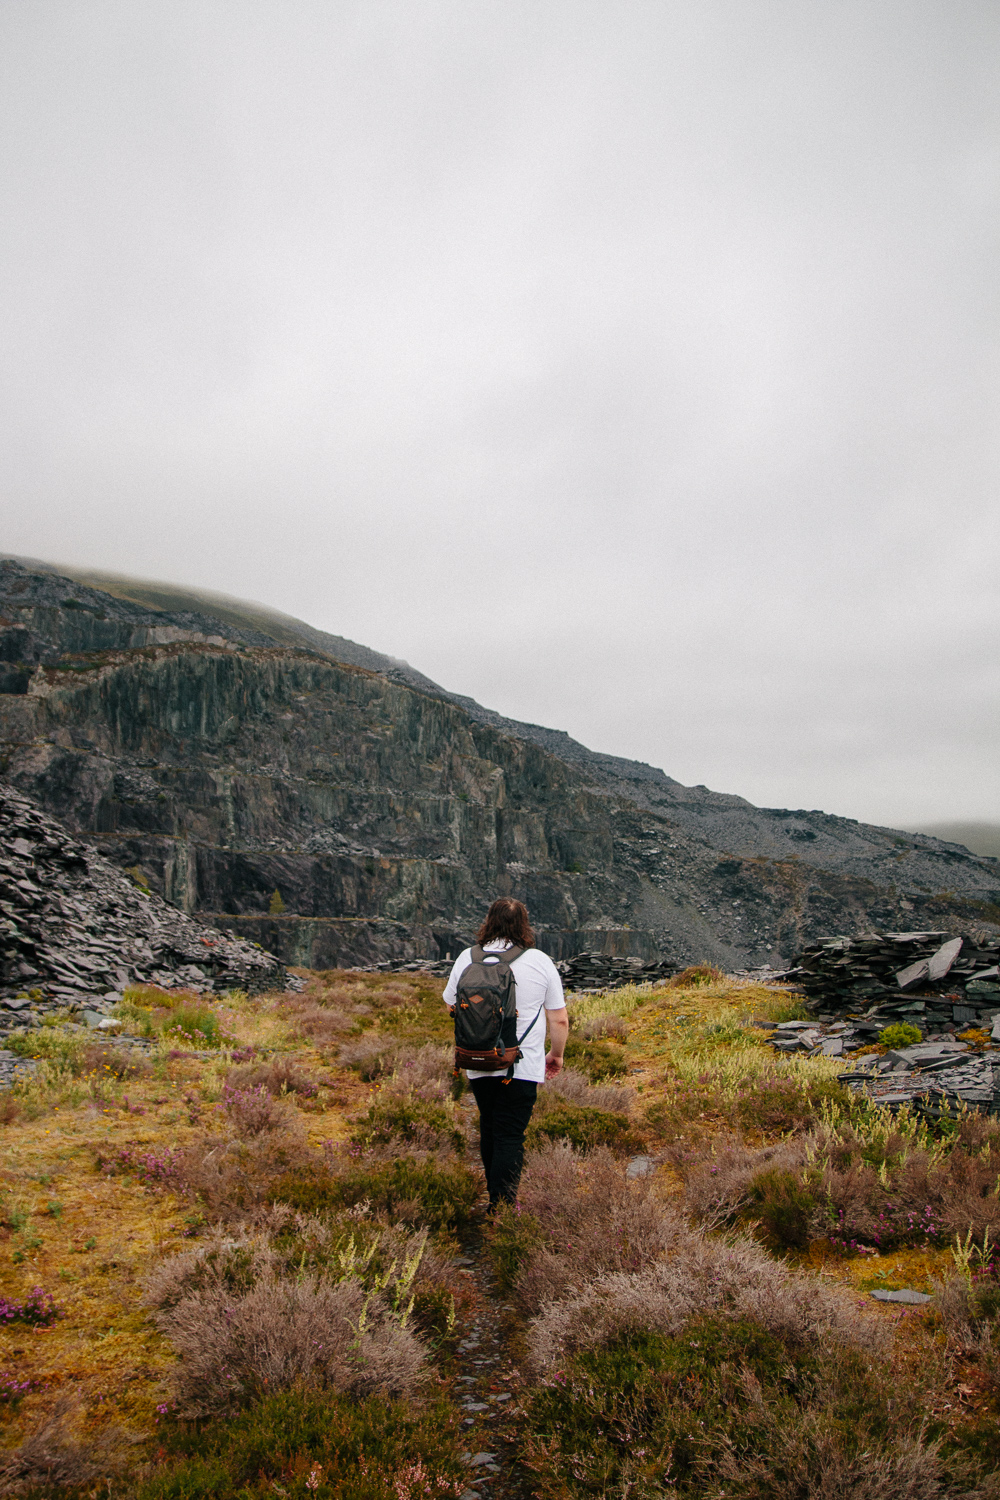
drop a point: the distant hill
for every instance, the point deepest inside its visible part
(229, 751)
(978, 838)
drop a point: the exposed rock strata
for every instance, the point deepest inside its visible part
(226, 762)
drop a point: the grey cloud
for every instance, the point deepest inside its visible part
(683, 314)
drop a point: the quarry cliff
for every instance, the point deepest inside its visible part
(225, 753)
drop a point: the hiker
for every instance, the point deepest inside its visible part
(506, 1088)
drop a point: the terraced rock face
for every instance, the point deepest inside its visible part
(227, 762)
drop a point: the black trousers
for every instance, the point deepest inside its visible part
(504, 1112)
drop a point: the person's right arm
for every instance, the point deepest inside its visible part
(451, 988)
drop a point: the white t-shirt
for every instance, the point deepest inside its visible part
(538, 988)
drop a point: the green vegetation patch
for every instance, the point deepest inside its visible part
(412, 1120)
(304, 1443)
(599, 1060)
(585, 1128)
(724, 1407)
(900, 1034)
(512, 1237)
(783, 1204)
(407, 1189)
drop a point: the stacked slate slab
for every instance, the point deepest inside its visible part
(903, 973)
(75, 930)
(945, 986)
(586, 973)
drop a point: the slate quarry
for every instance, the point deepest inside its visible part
(228, 753)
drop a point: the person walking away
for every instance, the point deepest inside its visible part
(505, 1105)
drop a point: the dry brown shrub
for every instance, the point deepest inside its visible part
(239, 1341)
(98, 1057)
(717, 1186)
(278, 1076)
(576, 1088)
(593, 1219)
(601, 1028)
(959, 1188)
(10, 1109)
(371, 1055)
(695, 975)
(55, 1457)
(319, 1024)
(698, 1275)
(232, 1176)
(808, 1459)
(426, 1072)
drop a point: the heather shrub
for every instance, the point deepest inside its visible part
(573, 1088)
(599, 1060)
(425, 1071)
(600, 1028)
(371, 1055)
(696, 1275)
(160, 1166)
(889, 1182)
(252, 1111)
(60, 1456)
(584, 1128)
(38, 1309)
(412, 1120)
(198, 1024)
(231, 1175)
(407, 1189)
(694, 977)
(301, 1441)
(718, 1188)
(96, 1058)
(784, 1204)
(278, 1076)
(728, 1404)
(590, 1219)
(512, 1237)
(243, 1329)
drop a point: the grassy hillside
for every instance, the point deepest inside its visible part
(245, 1254)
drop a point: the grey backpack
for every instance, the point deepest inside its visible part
(485, 1013)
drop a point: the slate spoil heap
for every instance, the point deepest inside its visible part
(74, 930)
(947, 988)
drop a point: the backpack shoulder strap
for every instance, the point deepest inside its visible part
(496, 955)
(476, 954)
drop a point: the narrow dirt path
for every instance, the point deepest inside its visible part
(486, 1386)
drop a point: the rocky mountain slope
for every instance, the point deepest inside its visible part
(228, 752)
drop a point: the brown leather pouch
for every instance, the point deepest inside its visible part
(487, 1062)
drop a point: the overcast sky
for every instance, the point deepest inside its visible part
(632, 367)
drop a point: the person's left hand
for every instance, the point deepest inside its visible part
(553, 1066)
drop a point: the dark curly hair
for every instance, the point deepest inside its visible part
(508, 919)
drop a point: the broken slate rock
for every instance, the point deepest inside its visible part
(911, 1298)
